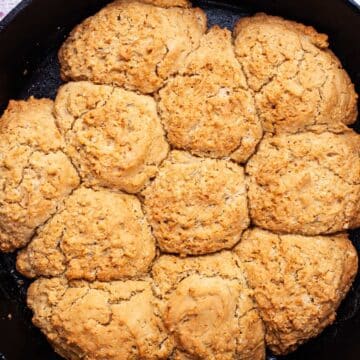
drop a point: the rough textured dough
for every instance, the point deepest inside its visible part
(113, 136)
(215, 95)
(207, 307)
(100, 321)
(131, 44)
(208, 108)
(299, 83)
(298, 282)
(168, 3)
(196, 205)
(306, 183)
(35, 175)
(98, 235)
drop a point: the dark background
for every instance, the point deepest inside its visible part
(29, 39)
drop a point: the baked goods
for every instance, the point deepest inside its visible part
(168, 3)
(306, 183)
(298, 282)
(141, 155)
(35, 174)
(113, 136)
(102, 321)
(197, 205)
(207, 307)
(299, 83)
(98, 235)
(132, 44)
(207, 108)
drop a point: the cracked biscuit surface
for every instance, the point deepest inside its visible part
(99, 321)
(113, 136)
(207, 307)
(207, 108)
(35, 175)
(306, 183)
(298, 282)
(98, 235)
(91, 188)
(299, 83)
(132, 44)
(197, 205)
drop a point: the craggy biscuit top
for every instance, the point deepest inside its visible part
(147, 75)
(98, 235)
(197, 205)
(113, 136)
(132, 44)
(306, 183)
(100, 321)
(298, 282)
(35, 174)
(169, 270)
(207, 108)
(299, 83)
(31, 124)
(211, 318)
(207, 307)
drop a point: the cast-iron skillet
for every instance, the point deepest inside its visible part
(29, 39)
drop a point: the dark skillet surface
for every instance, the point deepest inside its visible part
(29, 39)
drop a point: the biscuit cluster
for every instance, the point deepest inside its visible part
(187, 194)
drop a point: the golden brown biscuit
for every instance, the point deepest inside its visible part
(132, 44)
(299, 83)
(207, 307)
(99, 321)
(306, 183)
(98, 235)
(35, 175)
(196, 205)
(113, 136)
(215, 95)
(208, 109)
(298, 282)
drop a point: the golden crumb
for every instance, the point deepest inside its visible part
(299, 83)
(298, 282)
(132, 44)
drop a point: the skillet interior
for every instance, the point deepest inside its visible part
(29, 39)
